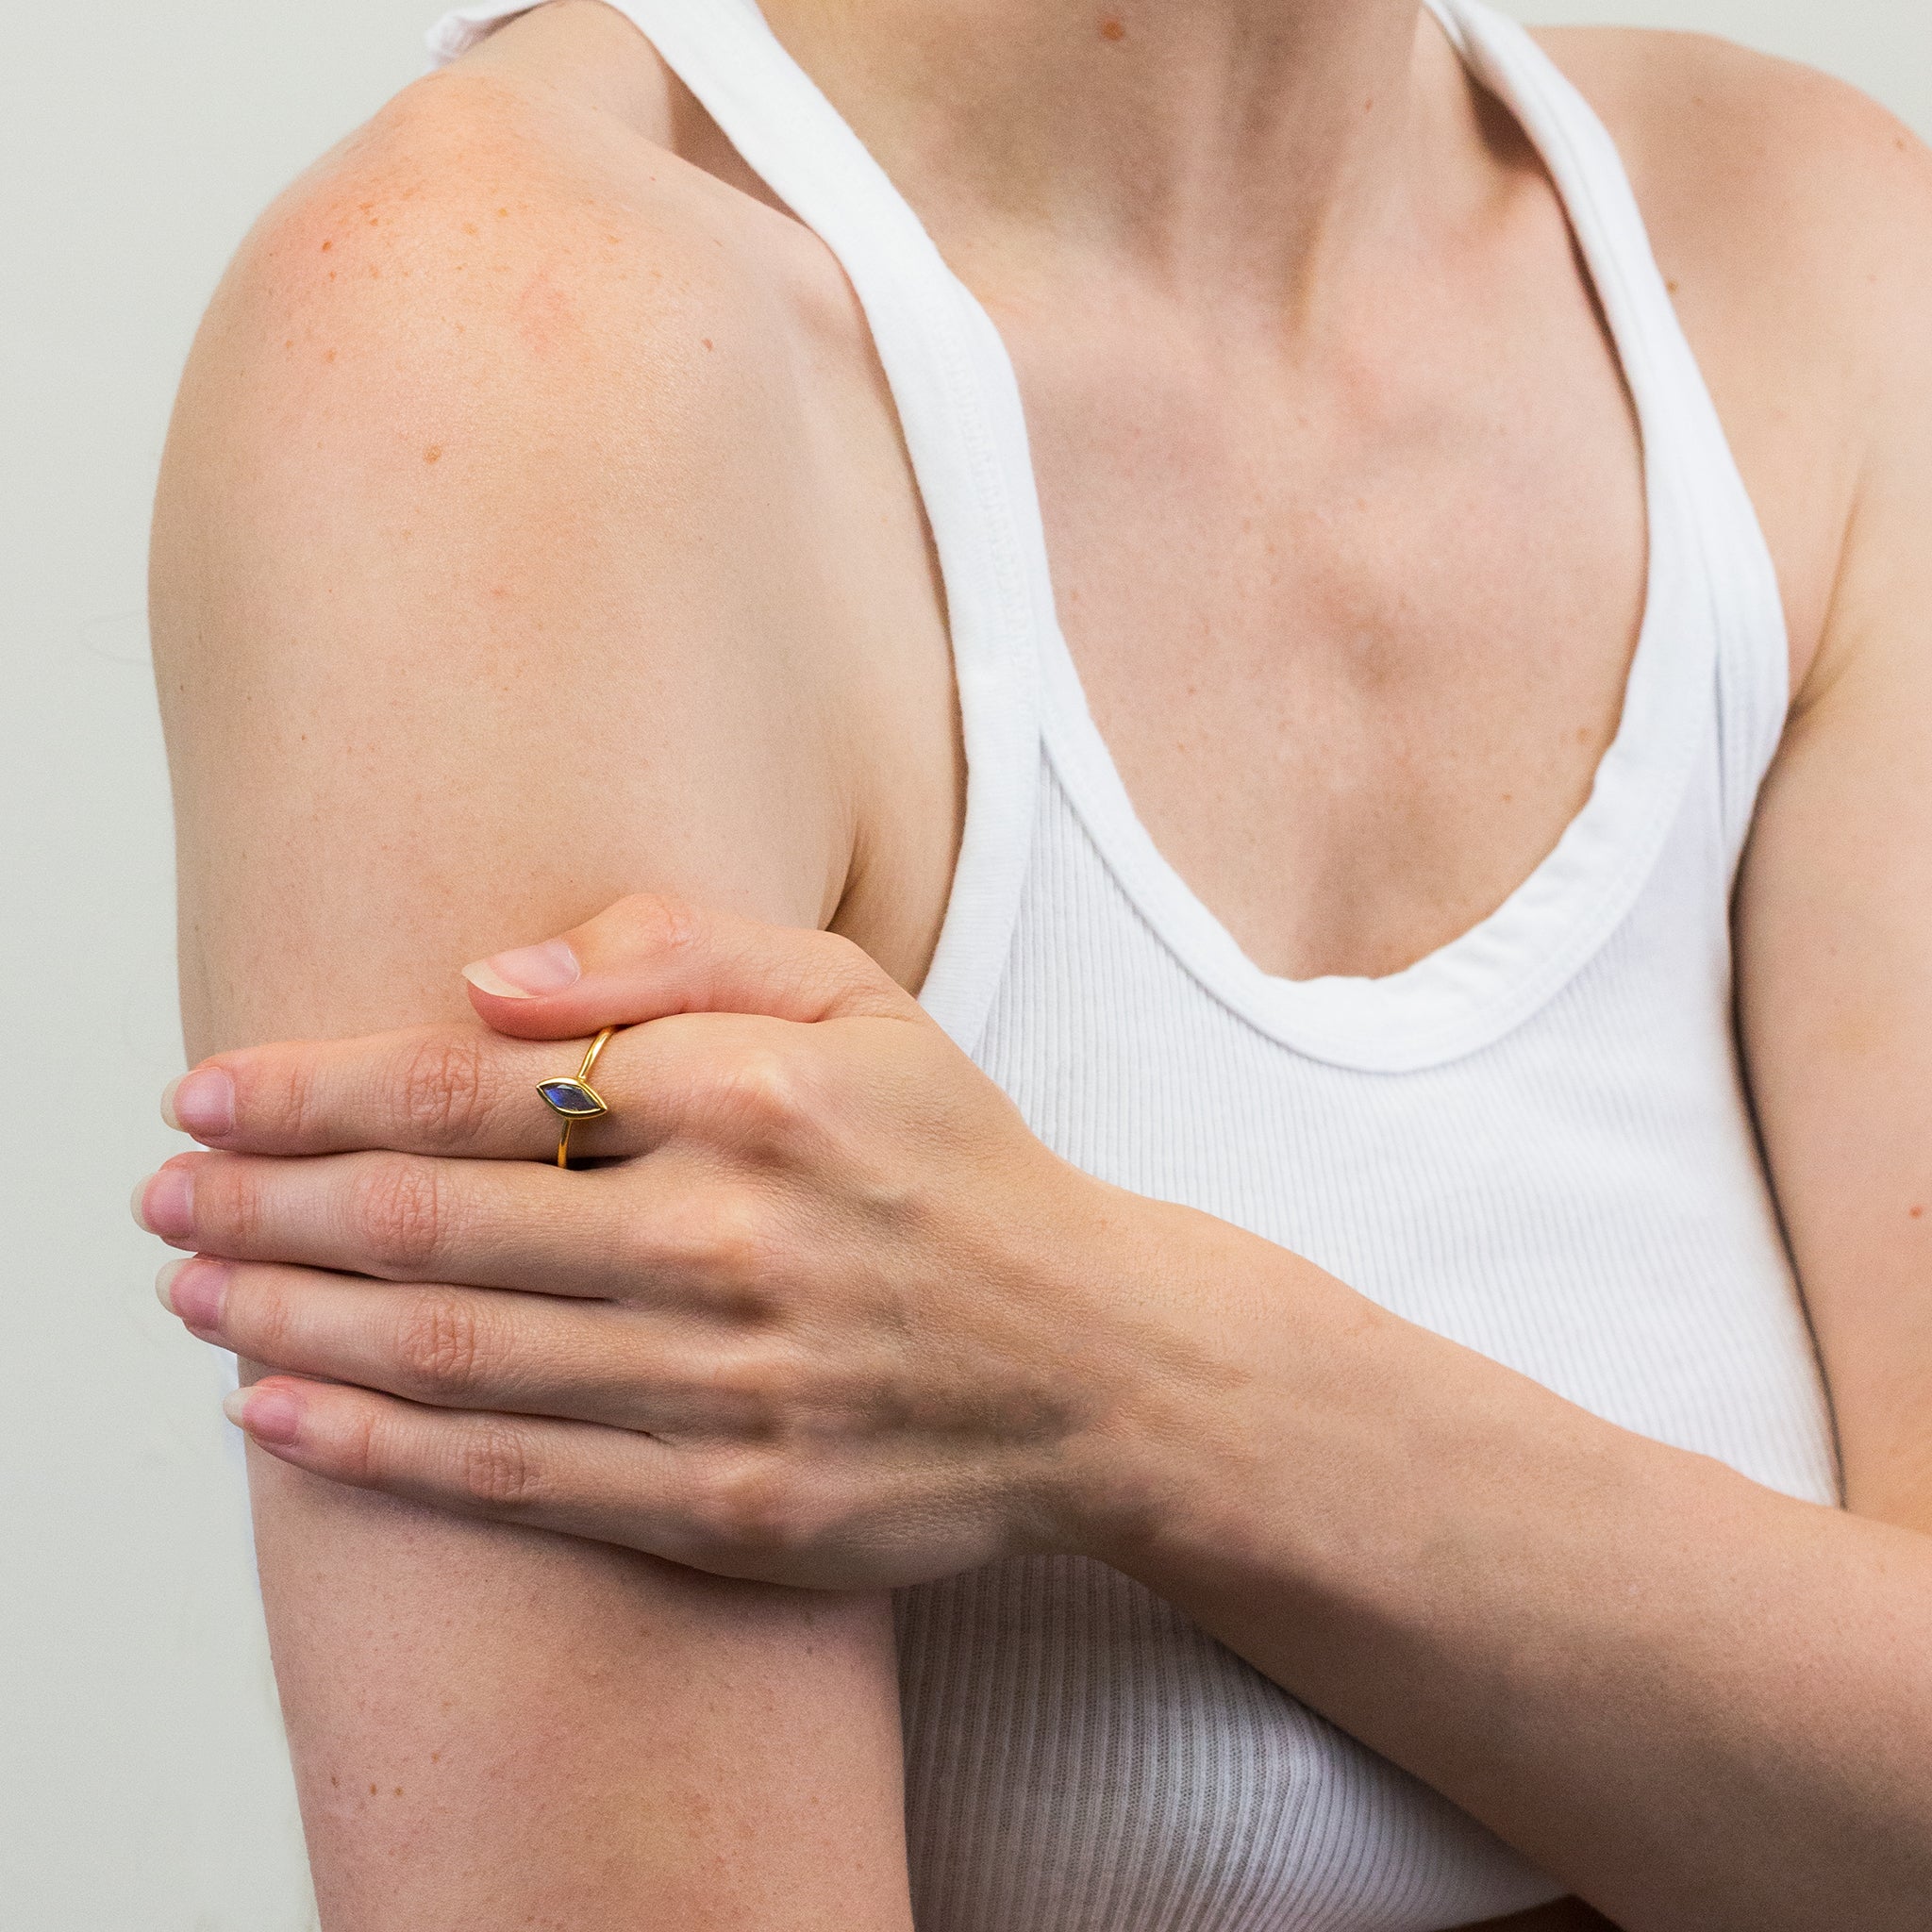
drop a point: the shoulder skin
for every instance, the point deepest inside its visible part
(1791, 217)
(503, 399)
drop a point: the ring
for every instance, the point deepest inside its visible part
(576, 1099)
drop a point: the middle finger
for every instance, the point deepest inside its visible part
(459, 1347)
(410, 1217)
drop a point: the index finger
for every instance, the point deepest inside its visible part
(456, 1089)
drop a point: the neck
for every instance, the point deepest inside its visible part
(1219, 147)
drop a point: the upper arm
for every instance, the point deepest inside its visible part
(466, 587)
(471, 617)
(1834, 908)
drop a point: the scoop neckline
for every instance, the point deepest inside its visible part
(1022, 707)
(1478, 986)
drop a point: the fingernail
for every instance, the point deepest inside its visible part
(525, 972)
(196, 1295)
(164, 1203)
(201, 1103)
(268, 1413)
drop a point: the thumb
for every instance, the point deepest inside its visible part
(647, 957)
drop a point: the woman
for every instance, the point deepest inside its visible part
(1294, 1315)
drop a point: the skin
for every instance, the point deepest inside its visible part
(400, 557)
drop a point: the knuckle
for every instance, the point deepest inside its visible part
(749, 1501)
(441, 1085)
(260, 1317)
(359, 1458)
(654, 921)
(400, 1214)
(275, 1091)
(495, 1469)
(766, 1395)
(231, 1205)
(722, 1241)
(442, 1348)
(764, 1100)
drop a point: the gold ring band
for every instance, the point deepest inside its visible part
(576, 1099)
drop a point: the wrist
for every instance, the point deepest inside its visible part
(1272, 1425)
(1186, 1374)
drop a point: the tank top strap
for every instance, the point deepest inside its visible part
(1704, 702)
(1682, 431)
(958, 406)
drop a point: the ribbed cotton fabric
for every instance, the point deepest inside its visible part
(1535, 1140)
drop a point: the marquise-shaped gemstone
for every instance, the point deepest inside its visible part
(571, 1098)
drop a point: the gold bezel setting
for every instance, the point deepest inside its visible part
(594, 1102)
(556, 1094)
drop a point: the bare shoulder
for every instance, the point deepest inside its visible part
(1792, 216)
(500, 287)
(513, 448)
(1737, 153)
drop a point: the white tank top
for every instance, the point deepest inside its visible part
(1535, 1140)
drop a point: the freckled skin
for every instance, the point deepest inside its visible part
(660, 604)
(588, 565)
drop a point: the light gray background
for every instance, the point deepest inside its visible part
(143, 1781)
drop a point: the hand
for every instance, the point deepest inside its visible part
(825, 1312)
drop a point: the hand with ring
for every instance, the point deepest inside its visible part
(821, 1310)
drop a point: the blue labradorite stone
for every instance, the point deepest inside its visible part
(571, 1097)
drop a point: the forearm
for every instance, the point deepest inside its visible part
(863, 1328)
(496, 1727)
(1698, 1701)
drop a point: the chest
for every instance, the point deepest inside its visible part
(1356, 632)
